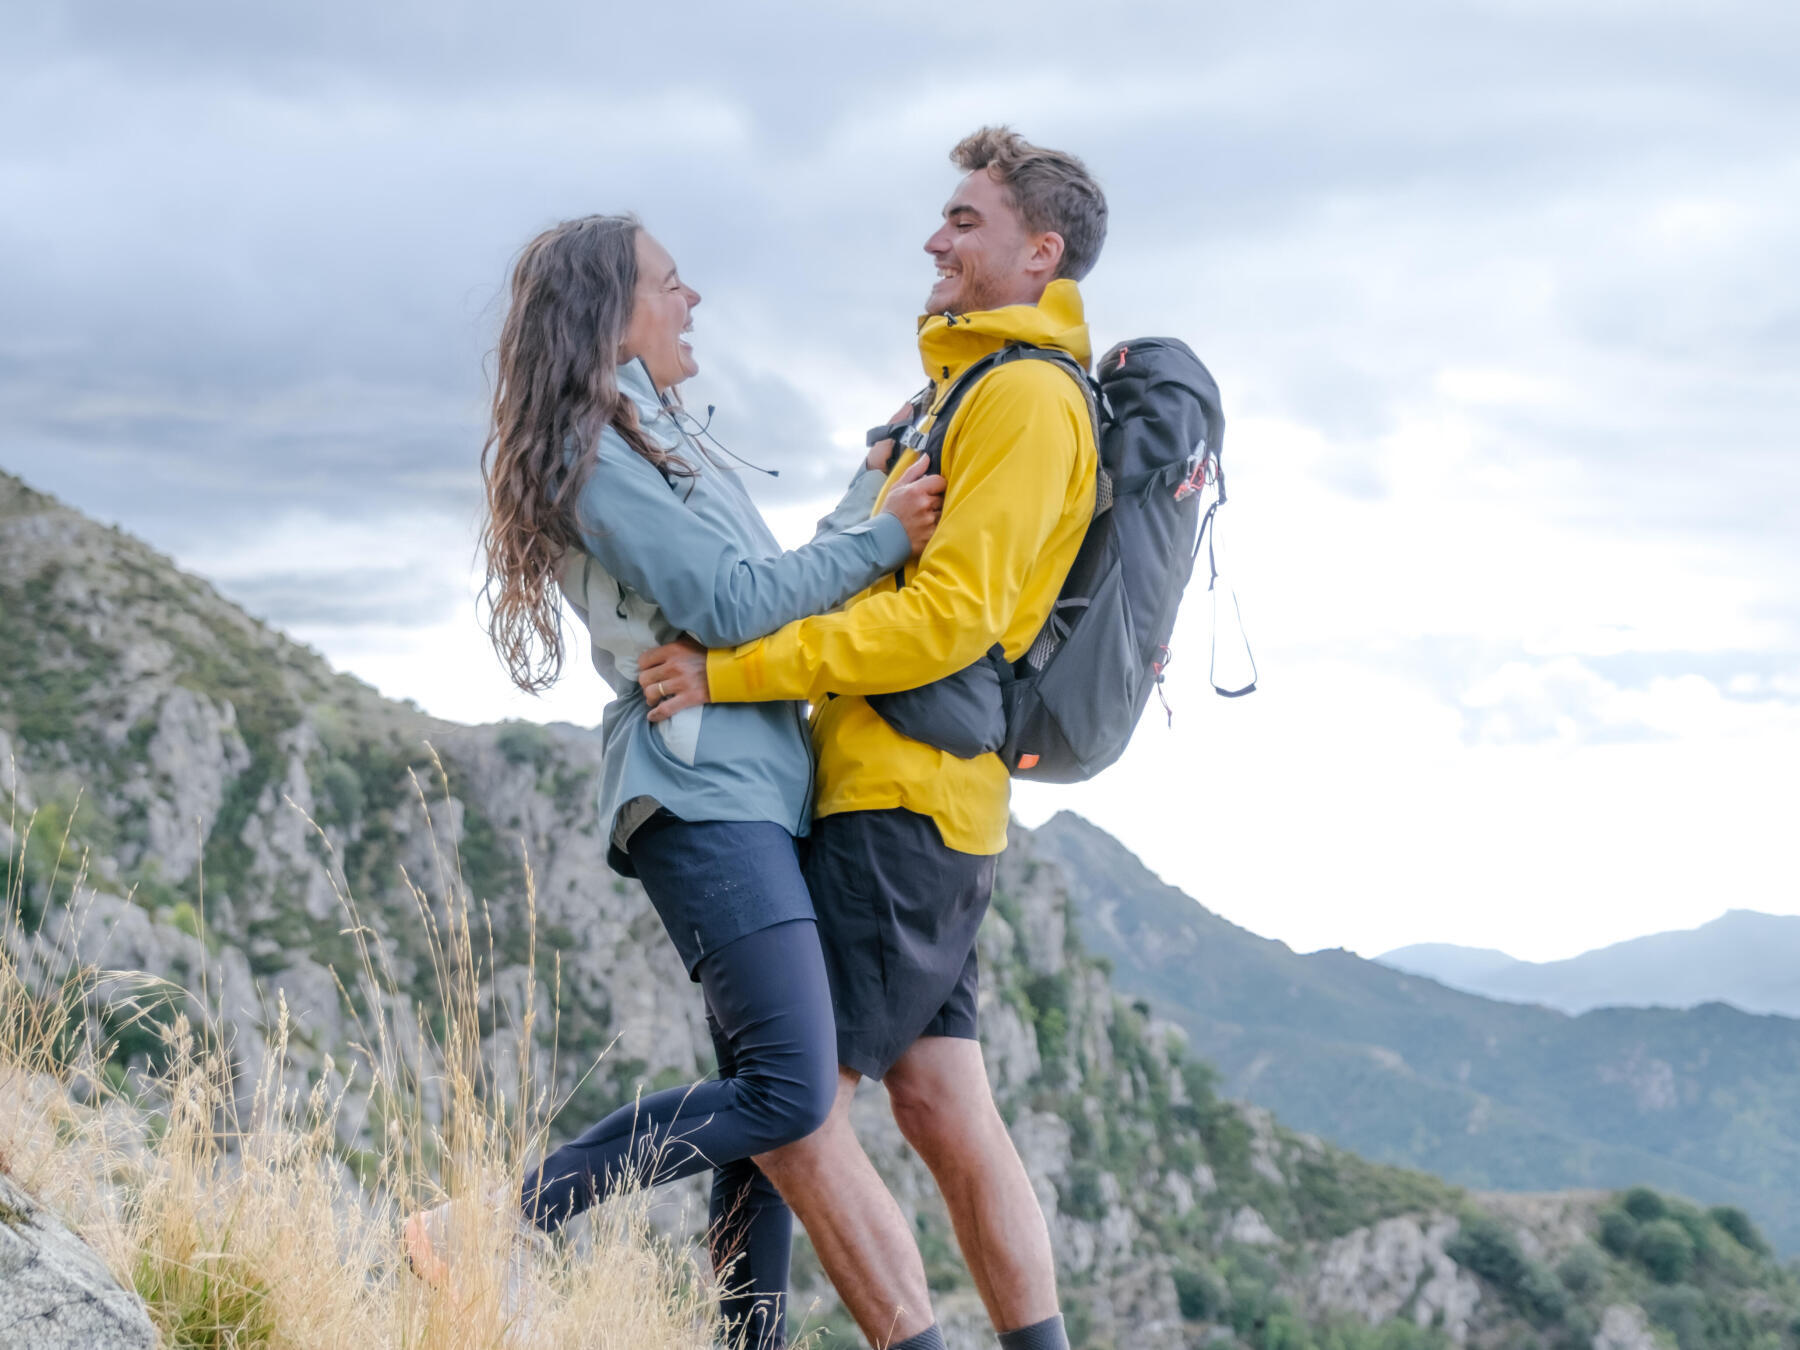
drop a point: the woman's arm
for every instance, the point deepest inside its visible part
(638, 528)
(857, 504)
(865, 488)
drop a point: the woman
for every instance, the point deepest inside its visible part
(593, 483)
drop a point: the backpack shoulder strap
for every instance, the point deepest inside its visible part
(930, 437)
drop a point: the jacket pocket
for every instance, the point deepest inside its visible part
(680, 735)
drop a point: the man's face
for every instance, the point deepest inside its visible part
(985, 256)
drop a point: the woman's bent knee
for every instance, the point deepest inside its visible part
(788, 1107)
(806, 1106)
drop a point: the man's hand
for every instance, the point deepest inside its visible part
(673, 677)
(881, 454)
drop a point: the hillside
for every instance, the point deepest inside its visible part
(1746, 959)
(1705, 1102)
(182, 745)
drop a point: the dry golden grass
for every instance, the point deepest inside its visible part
(242, 1226)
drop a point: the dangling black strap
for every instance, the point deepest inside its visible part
(1208, 534)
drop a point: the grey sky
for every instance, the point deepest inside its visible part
(1502, 295)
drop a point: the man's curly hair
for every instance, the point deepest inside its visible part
(1051, 191)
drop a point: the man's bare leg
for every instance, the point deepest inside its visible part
(941, 1100)
(863, 1240)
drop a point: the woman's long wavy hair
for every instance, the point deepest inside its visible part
(556, 387)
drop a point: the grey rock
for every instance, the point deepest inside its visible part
(1398, 1268)
(55, 1292)
(1249, 1227)
(1623, 1327)
(194, 755)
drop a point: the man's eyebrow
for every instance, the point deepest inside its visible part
(960, 209)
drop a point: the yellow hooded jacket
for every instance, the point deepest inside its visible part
(1020, 463)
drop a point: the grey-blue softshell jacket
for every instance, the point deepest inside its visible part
(665, 555)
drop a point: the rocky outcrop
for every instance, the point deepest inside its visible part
(55, 1292)
(1398, 1268)
(1622, 1327)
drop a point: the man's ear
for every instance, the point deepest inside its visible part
(1046, 254)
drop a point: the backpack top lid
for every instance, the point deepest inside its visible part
(1162, 408)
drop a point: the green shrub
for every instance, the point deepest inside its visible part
(1618, 1232)
(1542, 1296)
(523, 743)
(1202, 1295)
(1395, 1335)
(1078, 1323)
(342, 791)
(1739, 1228)
(185, 917)
(1284, 1331)
(1050, 997)
(1699, 1228)
(1666, 1251)
(215, 1302)
(1253, 1303)
(1489, 1249)
(1083, 1197)
(1578, 1330)
(1582, 1271)
(1644, 1204)
(1700, 1322)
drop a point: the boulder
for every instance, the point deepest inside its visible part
(55, 1292)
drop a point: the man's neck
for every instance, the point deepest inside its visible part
(1022, 293)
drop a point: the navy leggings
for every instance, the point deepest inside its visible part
(769, 1010)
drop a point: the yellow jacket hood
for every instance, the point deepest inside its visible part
(950, 343)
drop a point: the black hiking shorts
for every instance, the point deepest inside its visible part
(898, 915)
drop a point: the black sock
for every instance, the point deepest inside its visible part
(929, 1339)
(1045, 1335)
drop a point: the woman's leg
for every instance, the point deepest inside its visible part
(751, 1235)
(769, 1003)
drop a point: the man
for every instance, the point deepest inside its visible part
(901, 861)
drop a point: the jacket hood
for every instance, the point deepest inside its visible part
(949, 343)
(653, 413)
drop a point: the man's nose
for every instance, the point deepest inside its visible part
(939, 241)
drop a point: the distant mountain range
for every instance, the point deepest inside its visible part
(1403, 1069)
(1746, 959)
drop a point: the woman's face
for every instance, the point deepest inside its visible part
(661, 311)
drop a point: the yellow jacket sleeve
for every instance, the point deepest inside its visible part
(1017, 459)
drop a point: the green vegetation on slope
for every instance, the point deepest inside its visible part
(1704, 1102)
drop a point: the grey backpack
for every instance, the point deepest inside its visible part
(1067, 708)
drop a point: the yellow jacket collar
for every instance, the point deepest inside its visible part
(950, 343)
